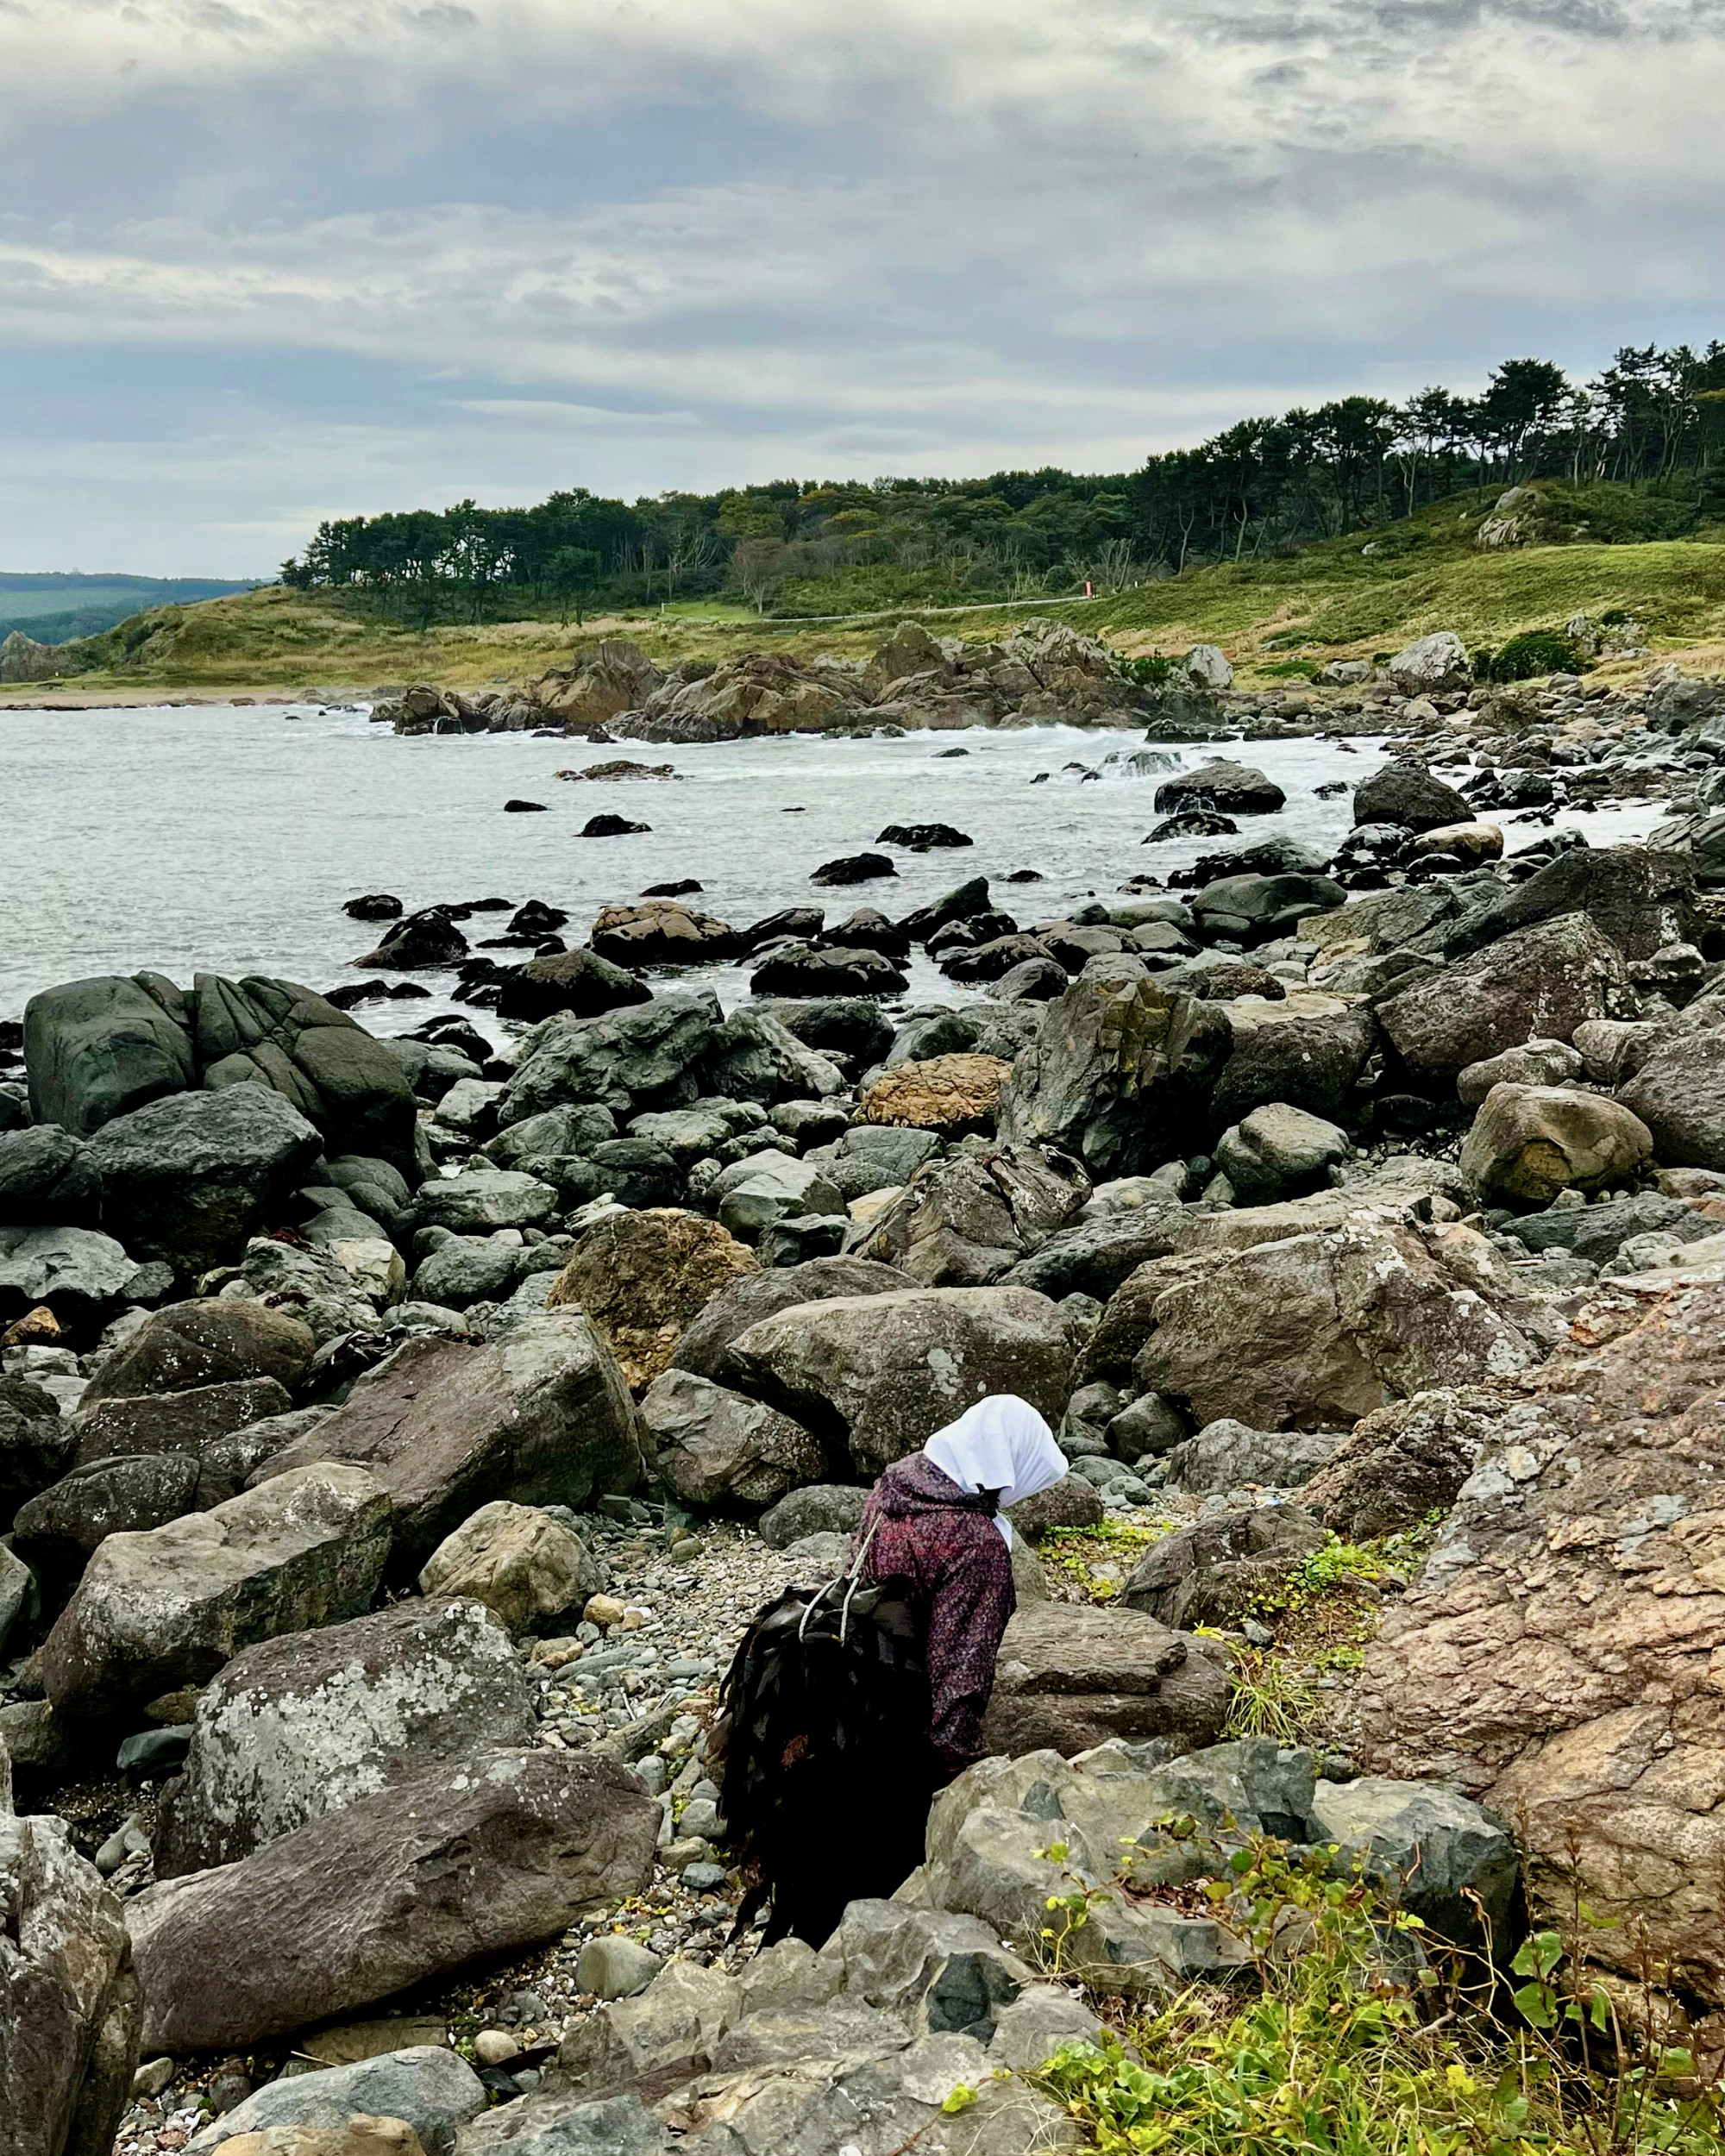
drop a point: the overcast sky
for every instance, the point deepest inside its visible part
(265, 261)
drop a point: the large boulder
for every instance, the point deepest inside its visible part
(1407, 793)
(479, 1200)
(646, 1056)
(643, 1277)
(81, 1275)
(579, 983)
(189, 1177)
(1225, 787)
(37, 1444)
(47, 1179)
(540, 1415)
(1218, 1570)
(1279, 1151)
(1639, 898)
(615, 676)
(1314, 1331)
(1678, 1095)
(1312, 1063)
(771, 1186)
(1070, 1676)
(57, 1529)
(1097, 1250)
(300, 1727)
(876, 1375)
(154, 1611)
(368, 1901)
(1558, 1657)
(1256, 909)
(710, 1446)
(1440, 661)
(753, 1295)
(1538, 984)
(191, 1345)
(69, 2012)
(1226, 1454)
(661, 932)
(423, 2086)
(1117, 1075)
(95, 1049)
(963, 1221)
(1528, 1143)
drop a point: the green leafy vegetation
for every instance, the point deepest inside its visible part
(1352, 2031)
(1537, 652)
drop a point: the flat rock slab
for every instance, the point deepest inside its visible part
(472, 1857)
(1069, 1677)
(541, 1416)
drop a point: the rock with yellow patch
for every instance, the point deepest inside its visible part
(1529, 1143)
(948, 1093)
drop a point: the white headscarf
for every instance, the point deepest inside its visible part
(1000, 1443)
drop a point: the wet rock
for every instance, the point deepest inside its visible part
(1219, 1571)
(629, 1061)
(97, 1049)
(519, 1563)
(427, 941)
(660, 932)
(965, 1220)
(540, 1415)
(189, 1177)
(364, 1903)
(154, 1611)
(1225, 787)
(297, 1728)
(716, 1448)
(1117, 1076)
(1528, 1143)
(853, 868)
(377, 905)
(879, 1373)
(47, 1179)
(579, 983)
(1408, 794)
(1678, 1095)
(608, 826)
(920, 838)
(805, 970)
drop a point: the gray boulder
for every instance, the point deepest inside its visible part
(434, 2091)
(713, 1447)
(481, 1199)
(1597, 1232)
(963, 1221)
(1225, 787)
(62, 1525)
(225, 1431)
(744, 1301)
(36, 1445)
(1407, 793)
(69, 2005)
(156, 1612)
(1228, 1454)
(1538, 984)
(540, 1415)
(97, 1049)
(1279, 1151)
(629, 1060)
(1311, 1064)
(197, 1345)
(1098, 1248)
(1449, 1861)
(1679, 1094)
(876, 1375)
(1429, 663)
(817, 1508)
(1146, 1428)
(1256, 909)
(298, 1728)
(768, 1187)
(363, 1903)
(47, 1179)
(81, 1275)
(1119, 1077)
(473, 1269)
(189, 1177)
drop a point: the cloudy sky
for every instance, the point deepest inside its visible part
(264, 261)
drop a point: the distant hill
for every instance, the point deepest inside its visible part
(53, 607)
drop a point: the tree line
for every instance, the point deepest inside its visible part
(1653, 420)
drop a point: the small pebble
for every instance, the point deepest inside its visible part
(493, 2046)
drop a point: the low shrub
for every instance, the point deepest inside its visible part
(1536, 652)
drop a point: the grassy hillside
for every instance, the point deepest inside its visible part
(1346, 598)
(51, 608)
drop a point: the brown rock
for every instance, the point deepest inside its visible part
(1070, 1502)
(1403, 1462)
(1561, 1657)
(517, 1561)
(1071, 1677)
(540, 1415)
(474, 1858)
(662, 933)
(950, 1093)
(362, 2135)
(642, 1277)
(1530, 1142)
(762, 1293)
(37, 1328)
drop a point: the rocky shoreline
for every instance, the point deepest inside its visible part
(395, 1433)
